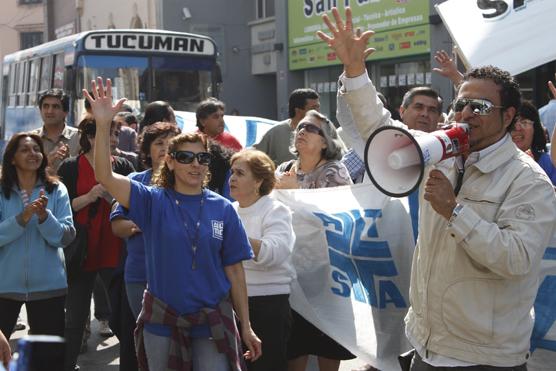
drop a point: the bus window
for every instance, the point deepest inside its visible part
(128, 74)
(22, 80)
(13, 86)
(34, 81)
(181, 82)
(46, 73)
(58, 81)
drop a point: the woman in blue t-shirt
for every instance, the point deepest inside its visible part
(194, 248)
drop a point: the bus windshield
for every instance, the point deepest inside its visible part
(182, 82)
(128, 74)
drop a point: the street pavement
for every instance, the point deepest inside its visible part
(103, 353)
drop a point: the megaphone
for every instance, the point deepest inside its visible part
(395, 159)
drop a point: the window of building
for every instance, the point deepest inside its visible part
(30, 39)
(265, 9)
(30, 1)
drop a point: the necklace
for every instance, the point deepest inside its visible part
(194, 242)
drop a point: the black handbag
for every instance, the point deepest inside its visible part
(76, 252)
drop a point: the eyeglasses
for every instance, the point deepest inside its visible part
(524, 123)
(187, 157)
(310, 128)
(480, 107)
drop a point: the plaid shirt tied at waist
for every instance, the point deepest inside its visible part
(220, 320)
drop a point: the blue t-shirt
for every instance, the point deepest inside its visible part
(134, 271)
(546, 163)
(221, 241)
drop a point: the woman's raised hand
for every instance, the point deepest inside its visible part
(101, 102)
(350, 47)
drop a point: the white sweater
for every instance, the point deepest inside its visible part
(272, 271)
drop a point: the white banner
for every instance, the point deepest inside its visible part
(353, 255)
(353, 258)
(248, 130)
(515, 35)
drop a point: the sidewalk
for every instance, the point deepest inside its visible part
(103, 353)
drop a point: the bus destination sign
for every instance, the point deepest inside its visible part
(149, 42)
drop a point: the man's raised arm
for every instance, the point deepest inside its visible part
(364, 111)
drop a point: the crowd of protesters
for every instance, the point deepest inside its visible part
(192, 253)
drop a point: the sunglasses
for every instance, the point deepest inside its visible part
(187, 157)
(524, 123)
(310, 128)
(480, 107)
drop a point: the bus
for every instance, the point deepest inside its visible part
(144, 65)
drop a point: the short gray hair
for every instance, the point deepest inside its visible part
(334, 147)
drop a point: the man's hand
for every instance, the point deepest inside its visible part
(350, 48)
(253, 343)
(101, 101)
(59, 153)
(448, 67)
(5, 351)
(440, 194)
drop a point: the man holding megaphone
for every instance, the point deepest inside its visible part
(485, 221)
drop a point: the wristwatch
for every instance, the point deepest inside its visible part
(455, 213)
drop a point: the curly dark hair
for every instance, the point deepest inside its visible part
(166, 177)
(8, 178)
(150, 134)
(510, 95)
(58, 94)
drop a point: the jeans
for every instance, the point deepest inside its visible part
(45, 317)
(204, 355)
(134, 292)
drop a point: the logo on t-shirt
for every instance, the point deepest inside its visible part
(217, 229)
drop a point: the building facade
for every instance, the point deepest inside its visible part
(267, 48)
(21, 25)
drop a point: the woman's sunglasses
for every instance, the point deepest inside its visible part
(310, 128)
(480, 107)
(187, 157)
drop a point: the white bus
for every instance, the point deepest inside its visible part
(144, 65)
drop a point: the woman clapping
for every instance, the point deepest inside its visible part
(35, 224)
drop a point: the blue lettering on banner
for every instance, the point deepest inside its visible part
(545, 308)
(361, 263)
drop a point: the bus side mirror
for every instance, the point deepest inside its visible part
(217, 79)
(69, 81)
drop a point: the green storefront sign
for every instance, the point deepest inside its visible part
(401, 29)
